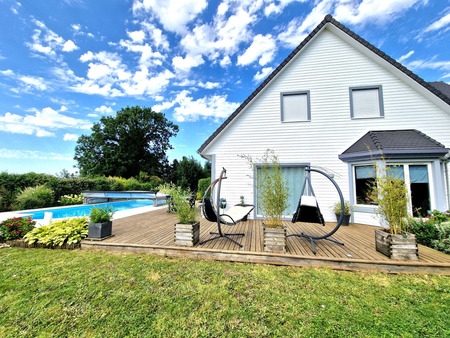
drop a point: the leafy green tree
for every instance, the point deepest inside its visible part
(188, 172)
(135, 140)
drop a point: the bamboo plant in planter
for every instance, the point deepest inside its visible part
(187, 230)
(273, 196)
(100, 225)
(391, 195)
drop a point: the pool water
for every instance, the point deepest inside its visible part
(84, 210)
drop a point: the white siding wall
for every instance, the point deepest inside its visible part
(327, 67)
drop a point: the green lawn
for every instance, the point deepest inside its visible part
(81, 293)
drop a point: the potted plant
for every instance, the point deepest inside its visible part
(242, 203)
(391, 195)
(100, 225)
(348, 208)
(187, 230)
(273, 196)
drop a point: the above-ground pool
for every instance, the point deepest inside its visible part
(84, 210)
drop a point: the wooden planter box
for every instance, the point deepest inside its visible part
(187, 234)
(274, 240)
(397, 247)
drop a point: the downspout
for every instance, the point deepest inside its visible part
(445, 161)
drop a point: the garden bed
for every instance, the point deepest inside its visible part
(20, 243)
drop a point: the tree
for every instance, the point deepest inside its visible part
(135, 140)
(188, 172)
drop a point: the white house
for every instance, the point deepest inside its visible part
(334, 103)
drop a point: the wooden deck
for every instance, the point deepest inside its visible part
(153, 232)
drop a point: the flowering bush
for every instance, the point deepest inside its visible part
(14, 228)
(71, 199)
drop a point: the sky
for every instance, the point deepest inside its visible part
(66, 63)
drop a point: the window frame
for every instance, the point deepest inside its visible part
(405, 164)
(308, 105)
(380, 101)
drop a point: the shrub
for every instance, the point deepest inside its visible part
(132, 184)
(71, 199)
(14, 228)
(101, 215)
(203, 185)
(66, 231)
(442, 243)
(33, 198)
(424, 229)
(7, 199)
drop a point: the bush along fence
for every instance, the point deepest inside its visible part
(30, 191)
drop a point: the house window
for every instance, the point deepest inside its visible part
(295, 176)
(418, 184)
(366, 102)
(295, 107)
(364, 180)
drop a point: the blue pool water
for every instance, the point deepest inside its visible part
(84, 210)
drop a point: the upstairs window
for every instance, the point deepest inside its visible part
(295, 107)
(366, 102)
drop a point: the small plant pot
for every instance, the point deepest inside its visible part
(345, 221)
(400, 247)
(187, 234)
(274, 240)
(100, 230)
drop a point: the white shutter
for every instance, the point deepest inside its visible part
(366, 103)
(295, 107)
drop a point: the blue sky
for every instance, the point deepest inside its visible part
(66, 63)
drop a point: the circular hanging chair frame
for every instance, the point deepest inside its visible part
(341, 218)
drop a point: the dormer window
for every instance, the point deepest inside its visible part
(366, 102)
(295, 107)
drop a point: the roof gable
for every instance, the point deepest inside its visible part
(436, 90)
(406, 143)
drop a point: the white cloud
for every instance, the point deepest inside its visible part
(262, 74)
(35, 155)
(189, 109)
(404, 57)
(277, 7)
(226, 61)
(41, 123)
(104, 110)
(70, 137)
(209, 85)
(69, 46)
(148, 56)
(156, 35)
(298, 29)
(174, 15)
(163, 106)
(184, 65)
(47, 42)
(376, 11)
(30, 82)
(263, 48)
(429, 64)
(438, 24)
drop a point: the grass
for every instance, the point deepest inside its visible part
(49, 293)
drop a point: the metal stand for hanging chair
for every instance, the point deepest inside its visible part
(212, 214)
(298, 214)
